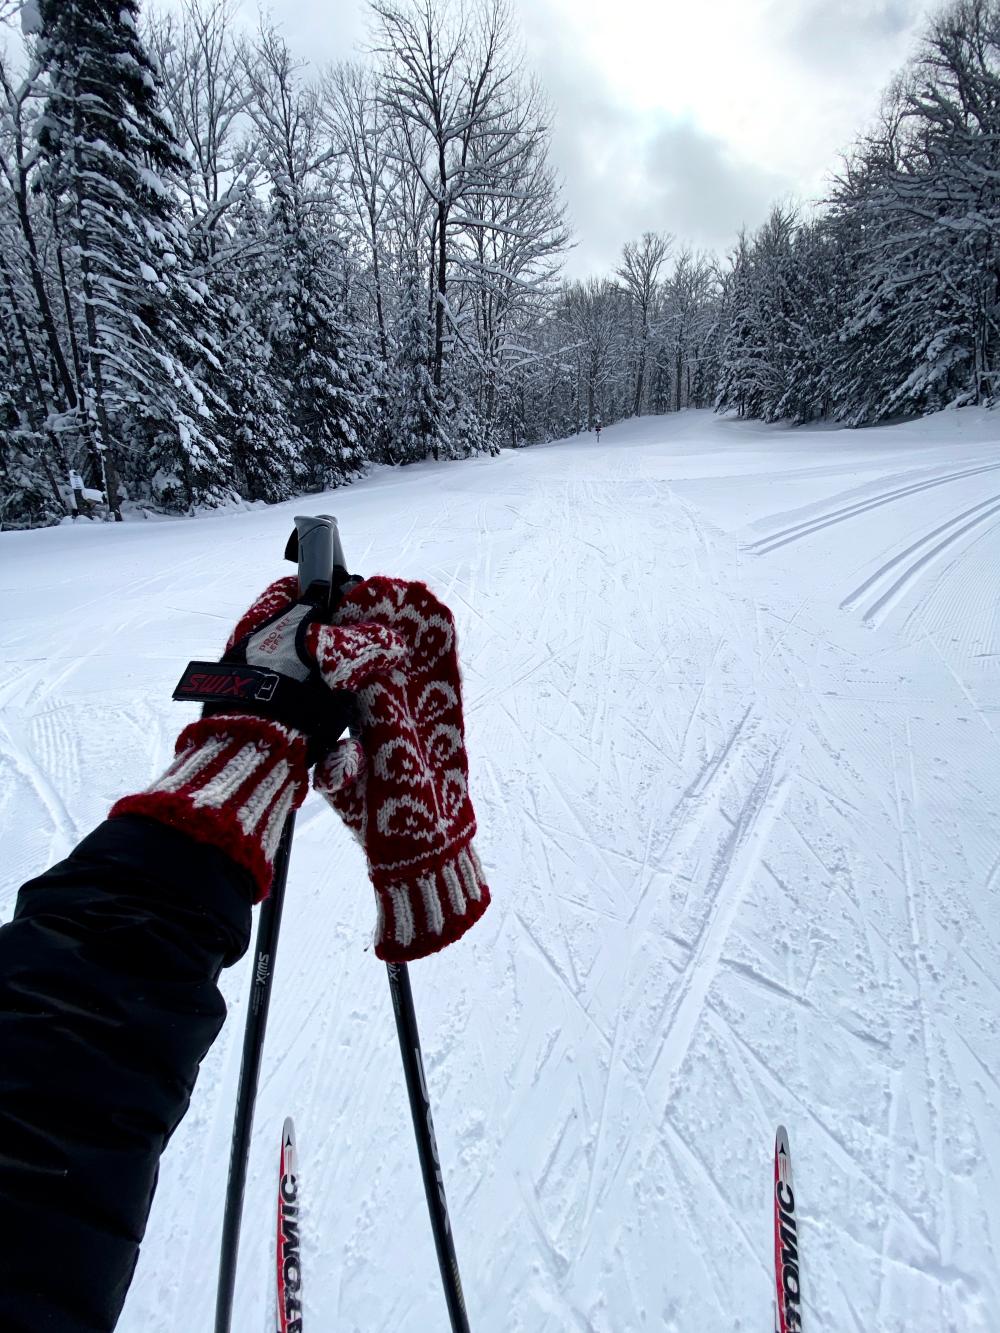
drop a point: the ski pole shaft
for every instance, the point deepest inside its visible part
(423, 1127)
(315, 546)
(268, 926)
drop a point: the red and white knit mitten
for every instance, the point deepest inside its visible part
(403, 787)
(235, 776)
(233, 782)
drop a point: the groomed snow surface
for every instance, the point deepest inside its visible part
(733, 703)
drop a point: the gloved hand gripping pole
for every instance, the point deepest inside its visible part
(315, 544)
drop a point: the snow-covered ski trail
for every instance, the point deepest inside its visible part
(734, 714)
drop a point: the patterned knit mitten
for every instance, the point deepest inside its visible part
(402, 787)
(236, 775)
(233, 782)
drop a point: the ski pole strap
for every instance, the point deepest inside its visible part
(227, 682)
(308, 705)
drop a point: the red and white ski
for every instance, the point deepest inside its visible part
(288, 1256)
(787, 1283)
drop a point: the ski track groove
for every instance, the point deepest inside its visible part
(836, 516)
(877, 610)
(740, 853)
(911, 881)
(694, 810)
(40, 785)
(884, 570)
(564, 982)
(682, 1148)
(962, 688)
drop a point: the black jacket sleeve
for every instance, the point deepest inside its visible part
(108, 1003)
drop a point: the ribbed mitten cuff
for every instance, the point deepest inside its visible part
(421, 910)
(234, 781)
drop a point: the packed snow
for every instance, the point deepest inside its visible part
(733, 699)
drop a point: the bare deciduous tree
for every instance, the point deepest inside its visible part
(639, 273)
(451, 83)
(208, 97)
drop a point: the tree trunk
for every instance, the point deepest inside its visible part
(442, 279)
(640, 377)
(82, 414)
(379, 311)
(41, 404)
(42, 297)
(107, 448)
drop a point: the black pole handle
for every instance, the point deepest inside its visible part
(316, 548)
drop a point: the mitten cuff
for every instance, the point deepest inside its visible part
(427, 909)
(234, 781)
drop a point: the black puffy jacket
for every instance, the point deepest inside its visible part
(108, 1003)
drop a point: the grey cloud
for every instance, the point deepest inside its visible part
(627, 173)
(829, 32)
(706, 193)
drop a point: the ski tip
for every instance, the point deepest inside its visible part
(288, 1132)
(781, 1141)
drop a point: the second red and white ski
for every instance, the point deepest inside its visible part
(787, 1279)
(288, 1254)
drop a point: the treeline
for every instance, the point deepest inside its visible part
(222, 277)
(888, 302)
(885, 302)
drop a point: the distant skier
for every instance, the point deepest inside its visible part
(597, 428)
(109, 968)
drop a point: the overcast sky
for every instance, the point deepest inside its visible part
(687, 116)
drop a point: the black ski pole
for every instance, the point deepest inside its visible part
(316, 547)
(423, 1127)
(268, 926)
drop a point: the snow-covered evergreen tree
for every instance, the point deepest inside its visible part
(110, 163)
(413, 420)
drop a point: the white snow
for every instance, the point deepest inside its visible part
(733, 699)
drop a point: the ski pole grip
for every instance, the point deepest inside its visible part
(316, 543)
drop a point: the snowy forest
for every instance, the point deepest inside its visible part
(227, 276)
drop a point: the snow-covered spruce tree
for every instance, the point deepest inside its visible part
(28, 493)
(266, 448)
(921, 327)
(759, 339)
(320, 355)
(109, 165)
(413, 424)
(206, 95)
(38, 334)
